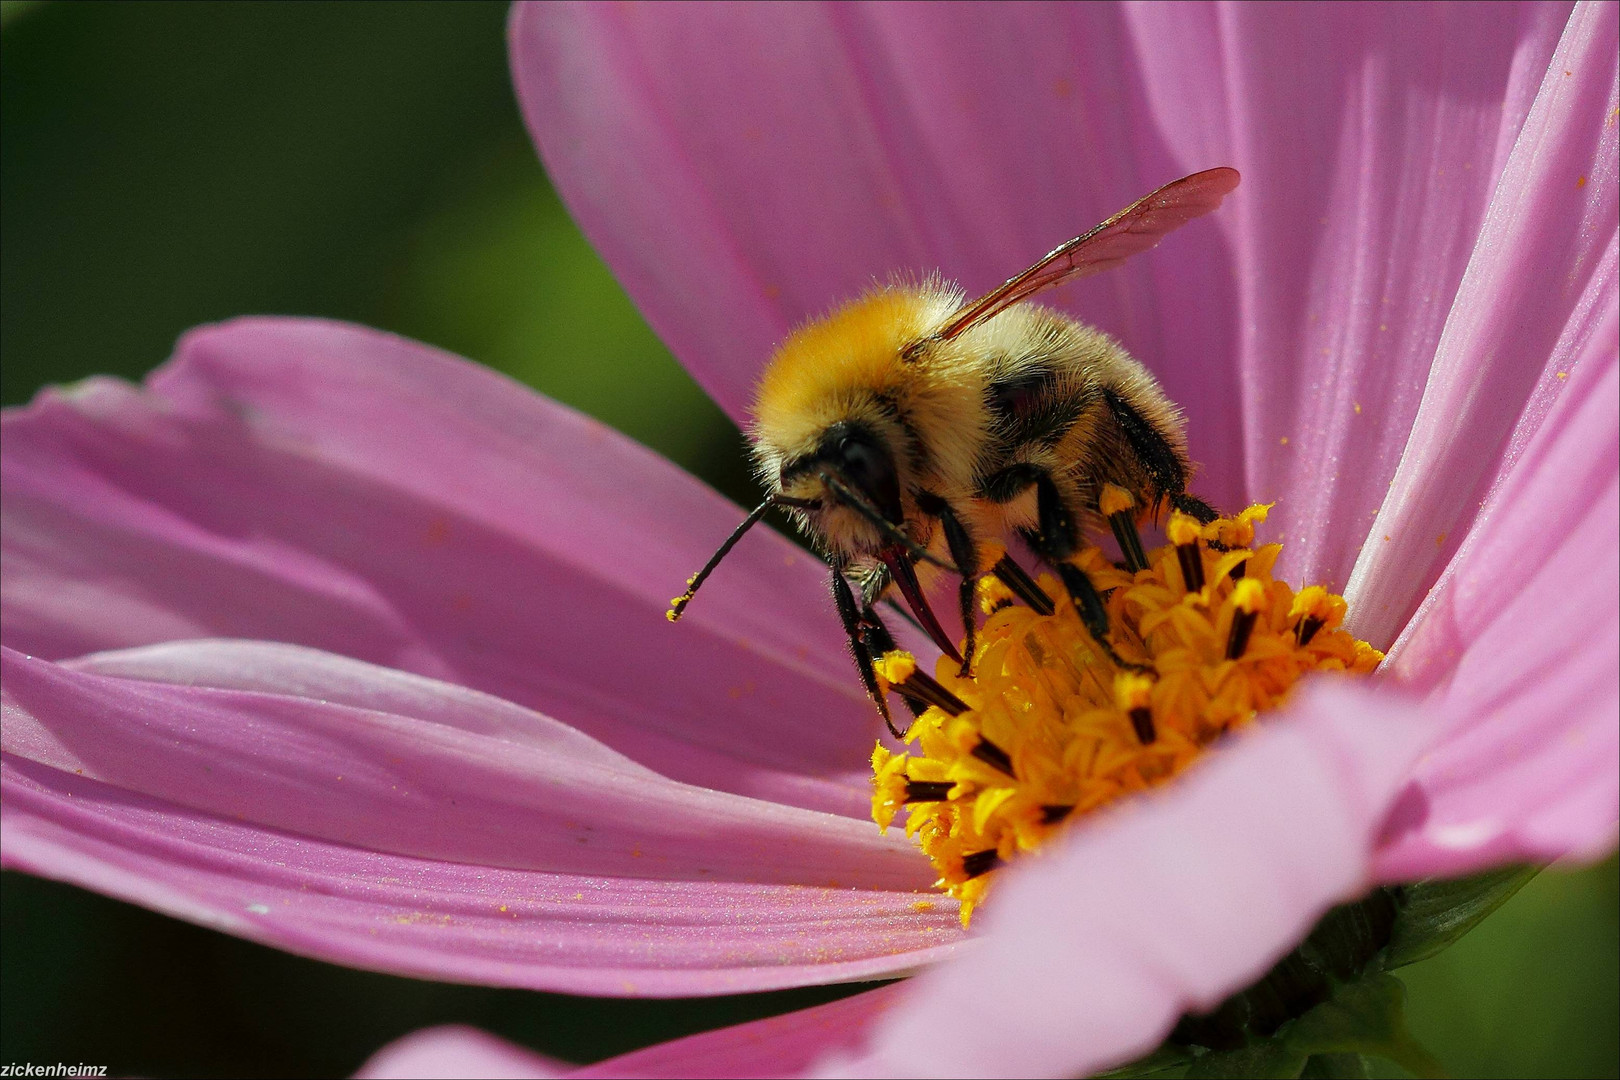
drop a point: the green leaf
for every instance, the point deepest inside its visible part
(1264, 1060)
(1363, 1017)
(1435, 913)
(1335, 1067)
(1166, 1059)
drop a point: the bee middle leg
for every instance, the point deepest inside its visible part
(1056, 539)
(1166, 470)
(965, 554)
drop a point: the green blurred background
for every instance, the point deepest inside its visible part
(171, 164)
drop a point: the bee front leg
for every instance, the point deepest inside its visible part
(874, 635)
(872, 584)
(864, 631)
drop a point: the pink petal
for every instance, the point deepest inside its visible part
(569, 933)
(1517, 644)
(451, 1051)
(742, 171)
(341, 488)
(786, 1045)
(1370, 137)
(334, 749)
(1540, 281)
(1092, 953)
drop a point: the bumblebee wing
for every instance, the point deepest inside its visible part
(1136, 228)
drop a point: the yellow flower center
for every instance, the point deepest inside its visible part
(1049, 727)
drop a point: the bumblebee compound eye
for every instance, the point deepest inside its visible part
(865, 463)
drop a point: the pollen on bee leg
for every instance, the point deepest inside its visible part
(677, 604)
(1116, 504)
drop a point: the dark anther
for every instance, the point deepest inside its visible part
(925, 689)
(1000, 605)
(1053, 813)
(1130, 541)
(993, 756)
(1017, 579)
(1237, 572)
(1242, 627)
(1142, 723)
(927, 790)
(978, 863)
(1308, 626)
(1192, 565)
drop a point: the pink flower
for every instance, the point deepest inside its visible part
(335, 642)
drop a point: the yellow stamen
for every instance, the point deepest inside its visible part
(1049, 728)
(895, 667)
(1238, 531)
(1114, 500)
(1182, 529)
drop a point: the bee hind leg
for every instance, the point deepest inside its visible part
(1165, 468)
(1194, 507)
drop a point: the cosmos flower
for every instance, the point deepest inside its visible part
(332, 641)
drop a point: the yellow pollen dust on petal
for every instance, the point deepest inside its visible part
(1055, 728)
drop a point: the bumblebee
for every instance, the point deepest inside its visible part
(910, 432)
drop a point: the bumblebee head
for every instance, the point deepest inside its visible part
(829, 441)
(830, 427)
(842, 483)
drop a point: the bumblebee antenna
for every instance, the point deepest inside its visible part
(677, 606)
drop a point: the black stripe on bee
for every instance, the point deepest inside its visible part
(1157, 456)
(1031, 407)
(916, 447)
